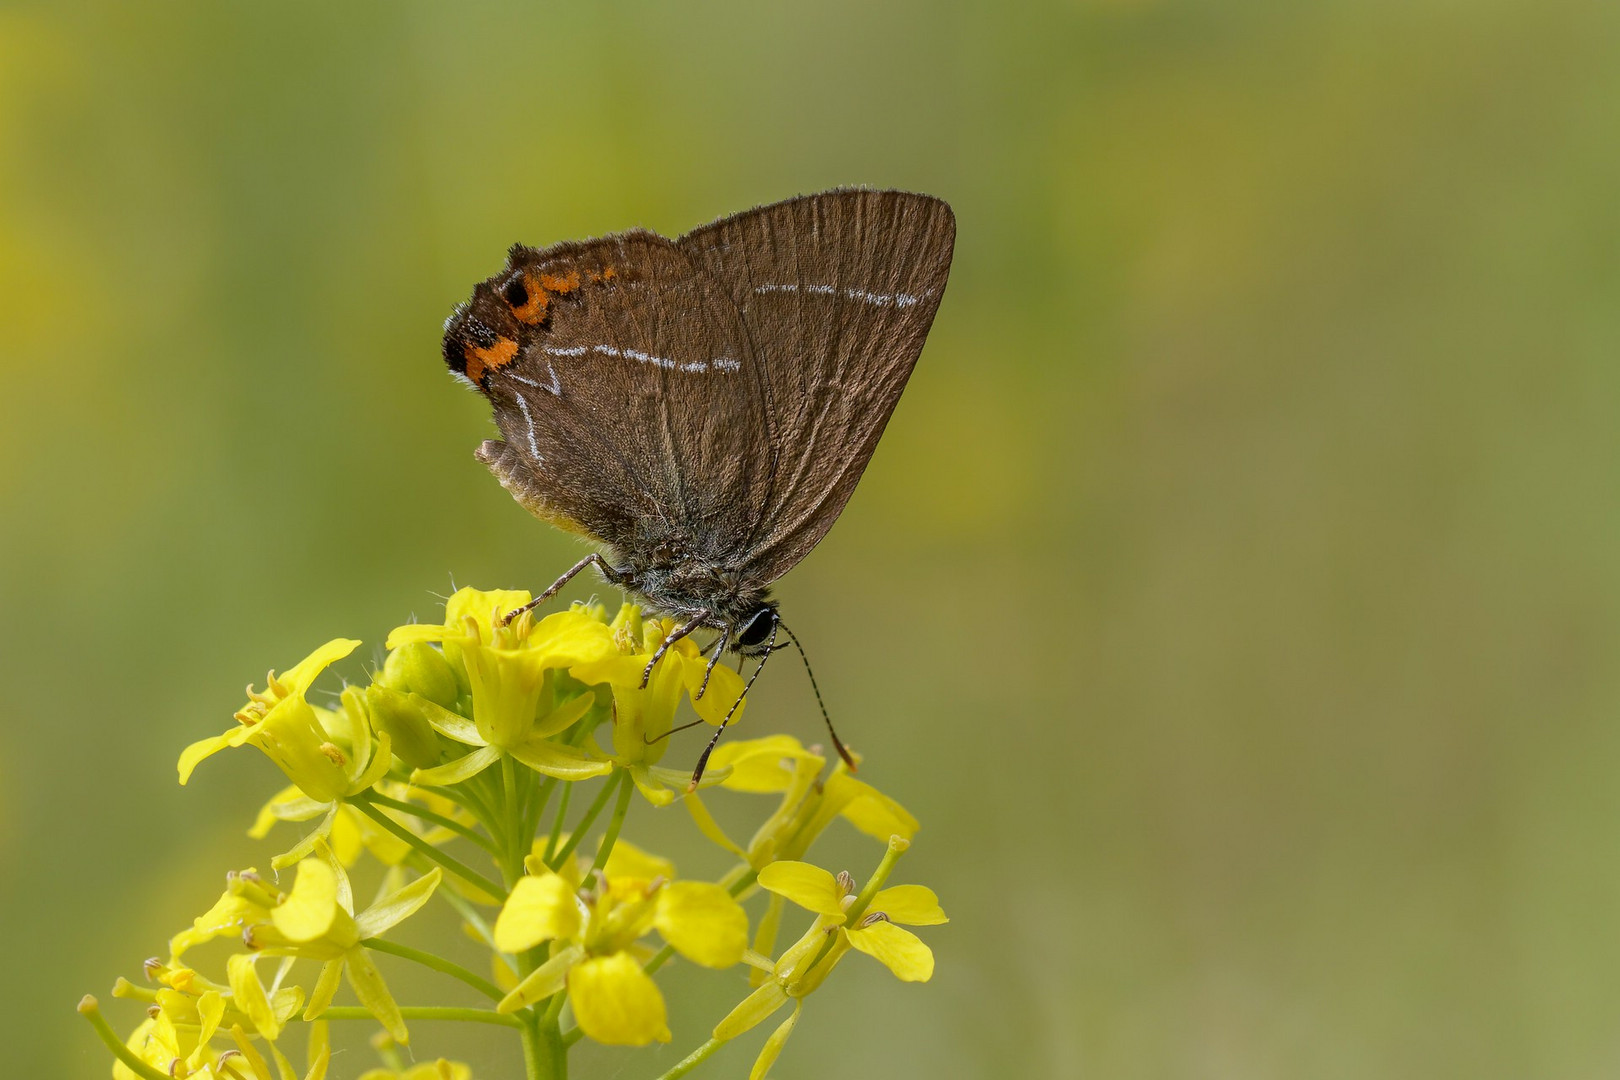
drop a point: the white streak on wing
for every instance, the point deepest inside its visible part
(554, 388)
(528, 418)
(902, 300)
(693, 367)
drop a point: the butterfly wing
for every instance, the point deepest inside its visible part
(627, 395)
(837, 292)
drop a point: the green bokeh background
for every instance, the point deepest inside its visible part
(1234, 596)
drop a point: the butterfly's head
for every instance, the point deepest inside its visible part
(755, 633)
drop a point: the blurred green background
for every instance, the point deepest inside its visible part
(1234, 596)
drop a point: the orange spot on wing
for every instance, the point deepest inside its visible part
(565, 283)
(498, 355)
(608, 274)
(534, 310)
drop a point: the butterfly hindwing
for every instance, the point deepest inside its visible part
(626, 393)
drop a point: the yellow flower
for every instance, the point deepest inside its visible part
(595, 935)
(331, 756)
(779, 763)
(876, 932)
(516, 702)
(643, 718)
(281, 723)
(842, 923)
(189, 1013)
(315, 921)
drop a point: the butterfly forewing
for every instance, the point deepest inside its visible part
(837, 292)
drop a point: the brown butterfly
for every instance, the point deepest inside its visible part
(703, 407)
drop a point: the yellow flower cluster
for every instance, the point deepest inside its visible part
(467, 747)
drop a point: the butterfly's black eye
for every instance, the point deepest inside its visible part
(516, 292)
(757, 630)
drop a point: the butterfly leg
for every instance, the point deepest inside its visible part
(703, 761)
(675, 635)
(720, 647)
(613, 576)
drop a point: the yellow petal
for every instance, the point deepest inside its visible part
(710, 827)
(204, 748)
(864, 806)
(651, 787)
(763, 765)
(702, 922)
(326, 987)
(367, 983)
(555, 759)
(311, 909)
(564, 716)
(543, 981)
(570, 639)
(462, 768)
(542, 907)
(247, 993)
(724, 695)
(616, 1003)
(751, 1011)
(809, 886)
(303, 674)
(417, 633)
(486, 609)
(910, 905)
(398, 906)
(452, 725)
(288, 804)
(773, 1045)
(628, 861)
(898, 949)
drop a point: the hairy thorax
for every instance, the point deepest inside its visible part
(685, 585)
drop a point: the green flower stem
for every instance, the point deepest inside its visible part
(473, 797)
(457, 794)
(438, 819)
(427, 1012)
(534, 1056)
(437, 963)
(584, 826)
(897, 848)
(554, 1009)
(90, 1009)
(557, 823)
(463, 906)
(537, 810)
(455, 866)
(616, 822)
(544, 1055)
(693, 1060)
(511, 857)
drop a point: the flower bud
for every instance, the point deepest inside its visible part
(412, 739)
(418, 668)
